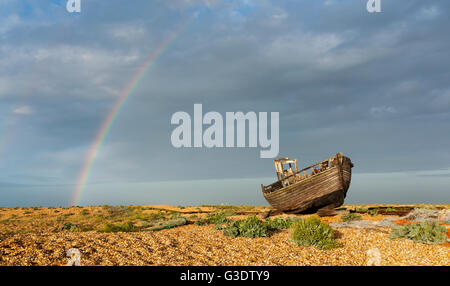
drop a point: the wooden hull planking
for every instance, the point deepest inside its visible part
(325, 189)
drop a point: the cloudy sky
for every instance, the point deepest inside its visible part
(373, 86)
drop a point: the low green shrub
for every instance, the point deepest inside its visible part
(70, 227)
(350, 217)
(424, 232)
(118, 211)
(280, 223)
(215, 218)
(160, 215)
(175, 215)
(126, 227)
(250, 227)
(312, 232)
(373, 212)
(426, 207)
(166, 224)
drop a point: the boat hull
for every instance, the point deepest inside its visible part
(326, 189)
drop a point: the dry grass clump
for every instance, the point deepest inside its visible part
(312, 232)
(424, 232)
(350, 217)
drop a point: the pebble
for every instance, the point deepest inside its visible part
(201, 245)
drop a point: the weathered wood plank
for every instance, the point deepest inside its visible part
(327, 188)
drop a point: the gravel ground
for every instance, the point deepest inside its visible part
(201, 245)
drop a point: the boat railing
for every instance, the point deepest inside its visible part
(284, 182)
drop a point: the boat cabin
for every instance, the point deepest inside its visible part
(285, 167)
(288, 173)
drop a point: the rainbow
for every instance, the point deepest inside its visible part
(114, 111)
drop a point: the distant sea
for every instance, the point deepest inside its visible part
(430, 187)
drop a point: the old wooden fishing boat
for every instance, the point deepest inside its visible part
(323, 185)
